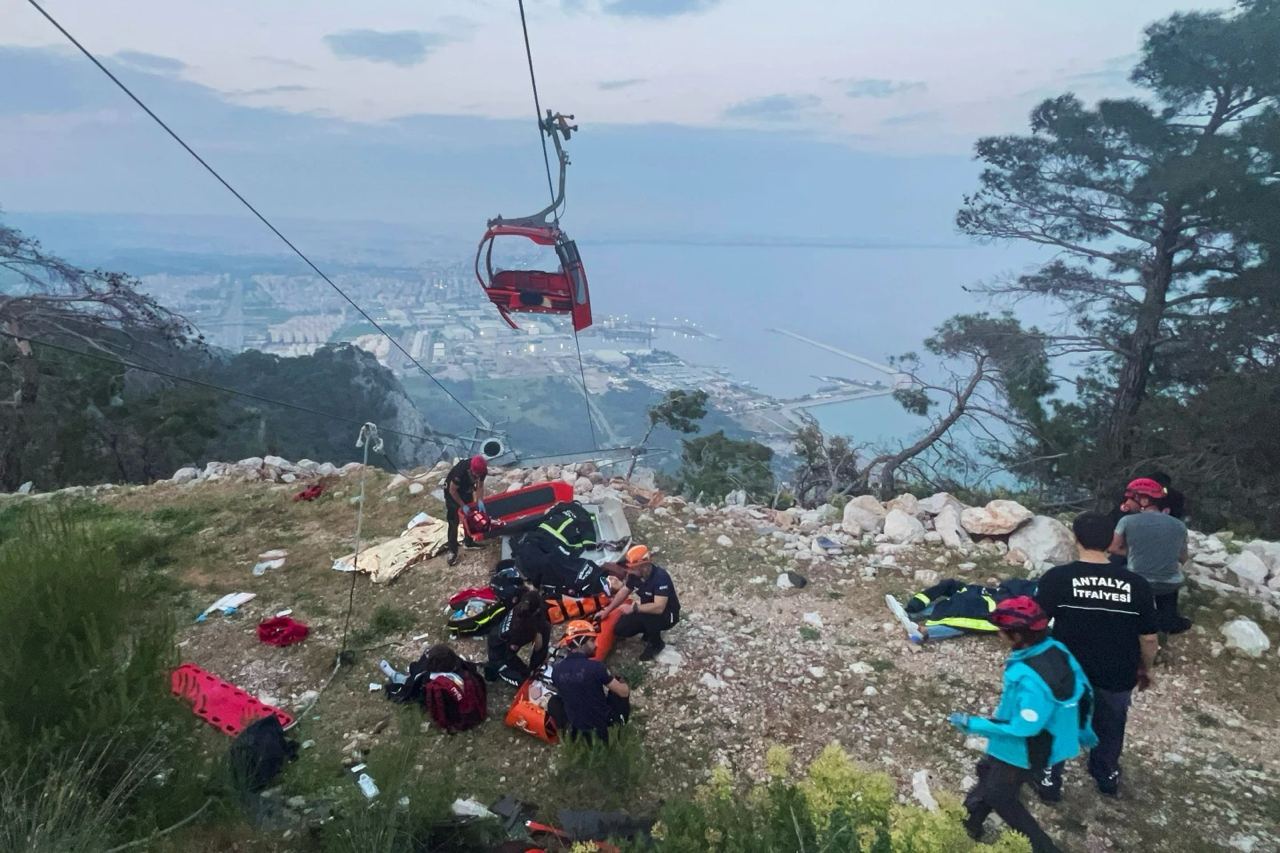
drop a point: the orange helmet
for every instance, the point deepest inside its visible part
(578, 630)
(636, 554)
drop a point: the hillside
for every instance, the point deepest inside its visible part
(752, 664)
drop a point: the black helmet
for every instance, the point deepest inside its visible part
(507, 582)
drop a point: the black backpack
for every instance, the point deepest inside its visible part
(259, 753)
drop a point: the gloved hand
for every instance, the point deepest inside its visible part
(480, 505)
(960, 721)
(466, 509)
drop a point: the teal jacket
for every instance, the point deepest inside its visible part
(1045, 713)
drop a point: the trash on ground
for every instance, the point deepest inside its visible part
(273, 554)
(288, 611)
(365, 782)
(219, 703)
(310, 493)
(386, 561)
(920, 790)
(282, 631)
(260, 569)
(227, 604)
(471, 807)
(375, 687)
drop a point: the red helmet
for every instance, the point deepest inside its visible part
(1145, 487)
(479, 466)
(1020, 611)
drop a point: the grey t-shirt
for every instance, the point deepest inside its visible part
(1154, 542)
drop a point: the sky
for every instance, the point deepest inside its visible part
(724, 119)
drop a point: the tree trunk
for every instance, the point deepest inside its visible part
(635, 453)
(1131, 384)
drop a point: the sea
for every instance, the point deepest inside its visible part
(874, 302)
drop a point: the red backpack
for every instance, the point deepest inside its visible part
(457, 708)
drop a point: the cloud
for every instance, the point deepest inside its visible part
(151, 61)
(269, 90)
(653, 8)
(611, 85)
(772, 108)
(281, 62)
(872, 87)
(911, 118)
(401, 47)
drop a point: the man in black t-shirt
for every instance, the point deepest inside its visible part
(463, 485)
(658, 608)
(592, 698)
(1105, 614)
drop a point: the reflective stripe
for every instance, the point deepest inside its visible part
(966, 623)
(921, 597)
(991, 603)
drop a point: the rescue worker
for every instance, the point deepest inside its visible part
(463, 485)
(1105, 614)
(525, 624)
(550, 555)
(1154, 544)
(1044, 717)
(591, 699)
(657, 608)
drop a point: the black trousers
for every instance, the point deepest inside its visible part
(1110, 715)
(506, 663)
(999, 790)
(1168, 619)
(619, 713)
(650, 624)
(451, 519)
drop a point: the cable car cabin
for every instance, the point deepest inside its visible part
(535, 291)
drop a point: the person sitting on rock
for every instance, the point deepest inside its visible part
(525, 624)
(658, 606)
(592, 699)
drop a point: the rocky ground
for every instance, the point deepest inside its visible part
(756, 659)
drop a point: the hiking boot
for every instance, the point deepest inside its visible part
(1180, 625)
(1109, 785)
(453, 558)
(1047, 789)
(652, 651)
(471, 543)
(974, 828)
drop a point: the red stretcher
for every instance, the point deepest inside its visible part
(504, 512)
(219, 703)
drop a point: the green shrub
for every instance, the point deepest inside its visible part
(835, 808)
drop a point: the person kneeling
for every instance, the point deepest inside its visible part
(658, 608)
(593, 699)
(524, 625)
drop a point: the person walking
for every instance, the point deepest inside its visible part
(463, 485)
(658, 608)
(1042, 719)
(1105, 615)
(1154, 544)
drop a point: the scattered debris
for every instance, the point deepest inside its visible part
(282, 631)
(228, 604)
(920, 790)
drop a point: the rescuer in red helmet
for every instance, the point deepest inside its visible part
(463, 485)
(1155, 545)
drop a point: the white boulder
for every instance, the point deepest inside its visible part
(862, 514)
(278, 462)
(1250, 569)
(185, 475)
(903, 528)
(738, 497)
(724, 541)
(1244, 635)
(908, 503)
(997, 518)
(947, 524)
(644, 478)
(1043, 540)
(936, 503)
(1269, 552)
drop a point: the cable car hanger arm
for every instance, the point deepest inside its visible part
(554, 125)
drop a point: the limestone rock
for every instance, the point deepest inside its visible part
(908, 503)
(416, 488)
(1244, 635)
(737, 497)
(1269, 552)
(935, 504)
(947, 525)
(582, 485)
(863, 514)
(724, 541)
(902, 528)
(1250, 569)
(644, 478)
(185, 475)
(997, 518)
(1044, 540)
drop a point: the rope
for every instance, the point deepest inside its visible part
(537, 114)
(254, 210)
(368, 436)
(435, 437)
(586, 398)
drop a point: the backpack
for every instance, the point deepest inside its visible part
(456, 707)
(474, 614)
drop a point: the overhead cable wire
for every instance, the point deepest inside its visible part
(436, 437)
(255, 211)
(537, 113)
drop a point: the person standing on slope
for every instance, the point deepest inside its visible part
(463, 485)
(1042, 719)
(1105, 615)
(1155, 545)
